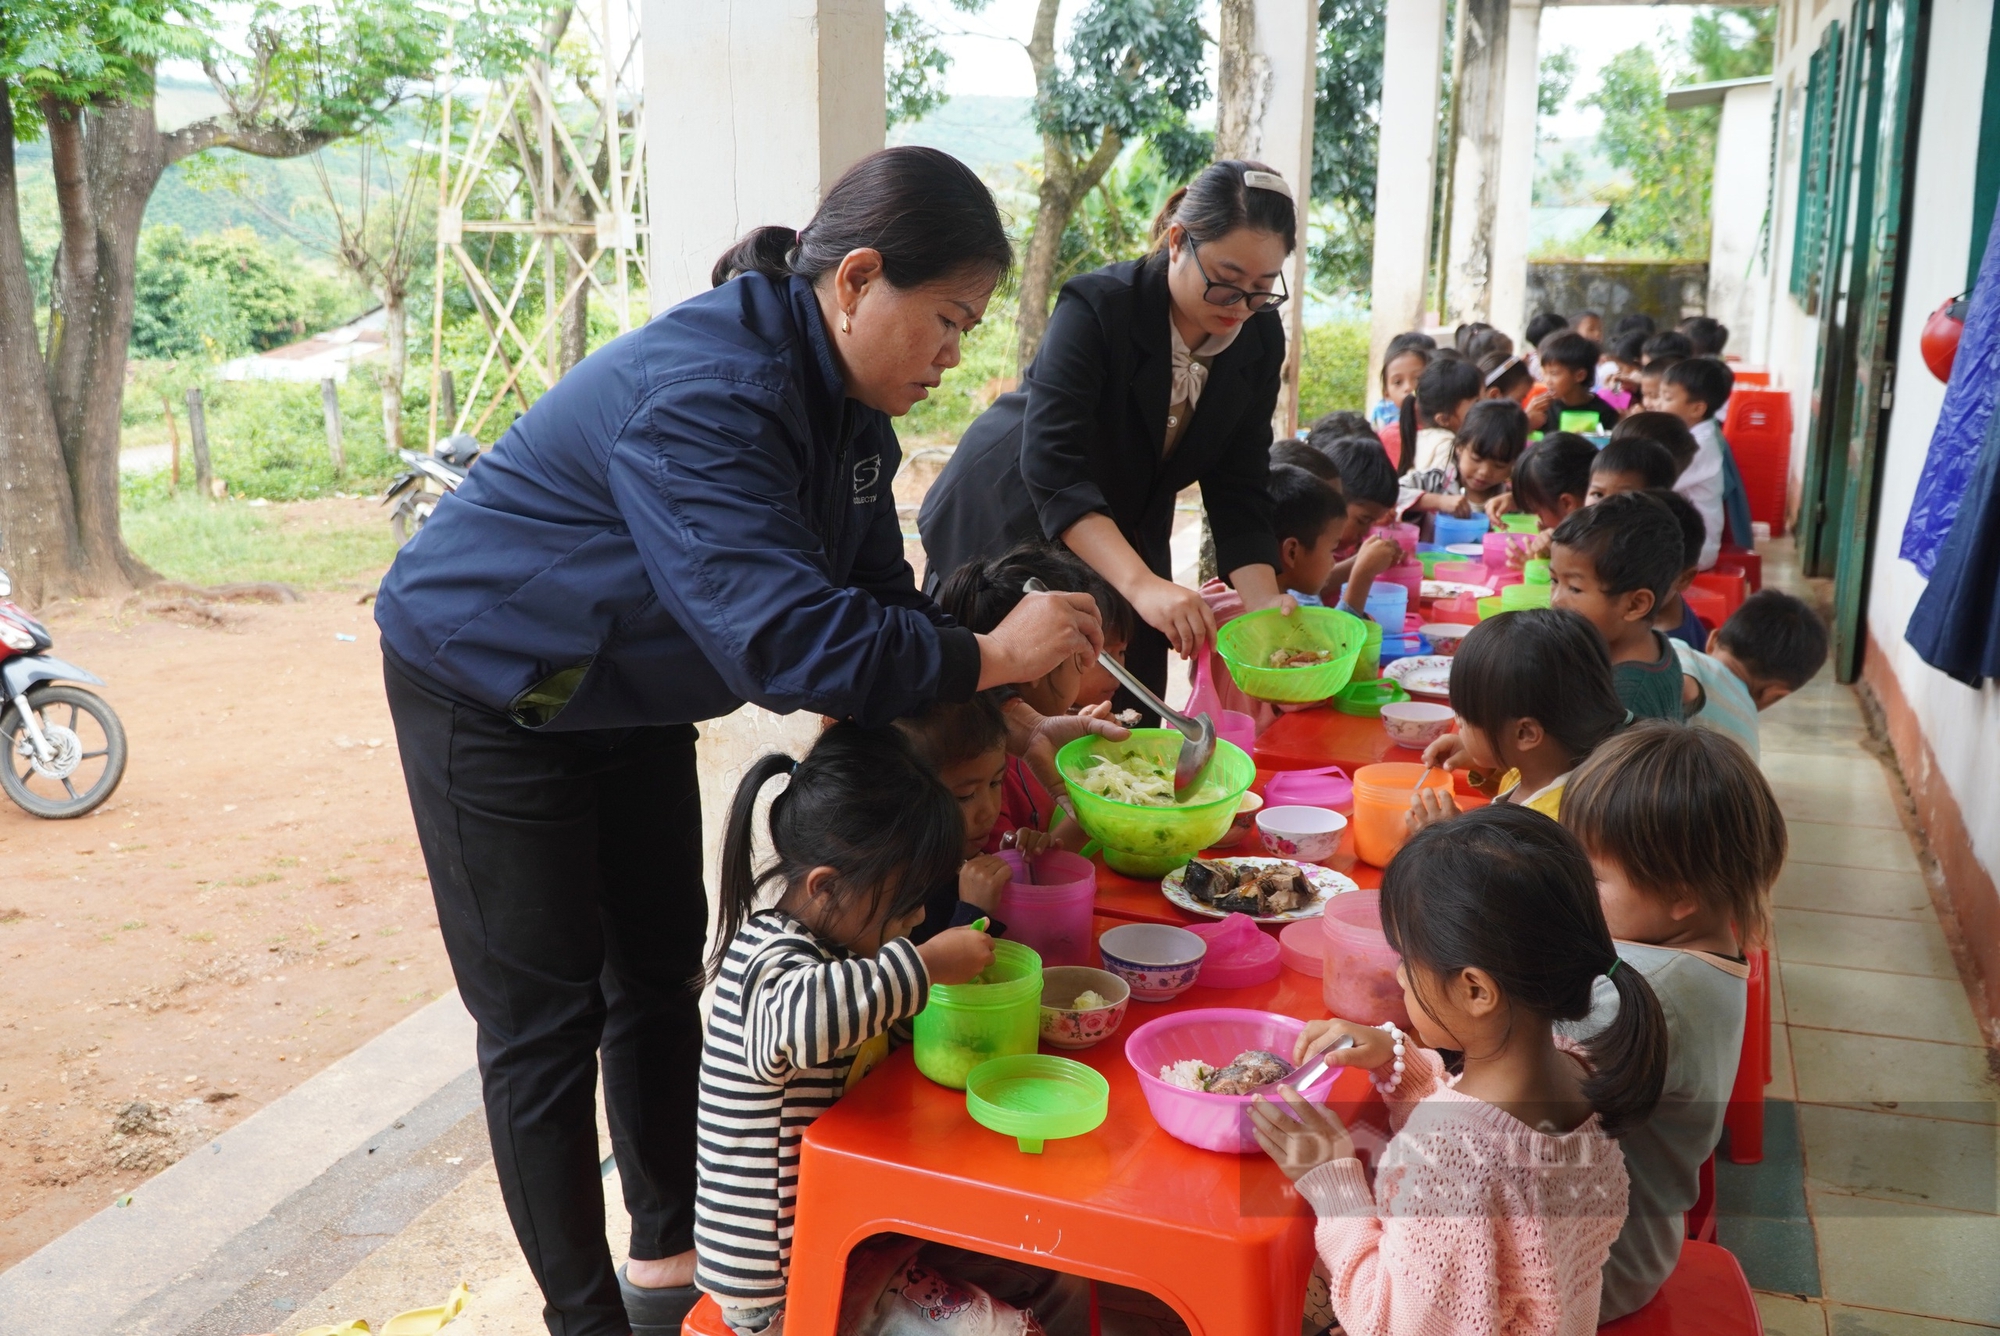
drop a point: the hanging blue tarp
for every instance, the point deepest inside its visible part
(1961, 428)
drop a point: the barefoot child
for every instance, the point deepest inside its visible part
(1684, 839)
(1495, 1203)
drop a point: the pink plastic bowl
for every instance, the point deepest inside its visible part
(1212, 1122)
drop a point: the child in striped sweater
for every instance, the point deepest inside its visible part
(1495, 1204)
(807, 993)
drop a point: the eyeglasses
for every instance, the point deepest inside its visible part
(1228, 294)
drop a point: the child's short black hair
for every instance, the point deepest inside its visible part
(1447, 382)
(1569, 348)
(1483, 342)
(1707, 335)
(1495, 429)
(1299, 455)
(1777, 637)
(949, 732)
(1582, 316)
(1694, 529)
(980, 594)
(1656, 368)
(1633, 321)
(1338, 426)
(1545, 664)
(1670, 343)
(1558, 465)
(1663, 429)
(1707, 379)
(1506, 372)
(1543, 325)
(1629, 348)
(1631, 540)
(1647, 460)
(1301, 505)
(1365, 471)
(1409, 341)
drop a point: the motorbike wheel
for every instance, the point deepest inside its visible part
(410, 513)
(89, 746)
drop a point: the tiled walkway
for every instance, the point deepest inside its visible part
(1875, 1208)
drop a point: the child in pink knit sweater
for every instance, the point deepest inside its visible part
(1496, 1202)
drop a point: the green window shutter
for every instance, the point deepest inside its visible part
(1810, 241)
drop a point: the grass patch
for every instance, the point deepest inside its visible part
(314, 546)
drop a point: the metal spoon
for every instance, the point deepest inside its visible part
(1198, 733)
(1320, 1064)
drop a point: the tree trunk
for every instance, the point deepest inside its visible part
(1242, 81)
(37, 519)
(575, 334)
(1064, 184)
(396, 343)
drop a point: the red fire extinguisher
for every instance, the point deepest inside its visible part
(1941, 334)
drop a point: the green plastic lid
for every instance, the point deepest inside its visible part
(1034, 1098)
(1367, 698)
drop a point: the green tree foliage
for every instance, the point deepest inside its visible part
(223, 293)
(1731, 43)
(1347, 105)
(914, 64)
(1558, 76)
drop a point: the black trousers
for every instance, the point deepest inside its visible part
(567, 874)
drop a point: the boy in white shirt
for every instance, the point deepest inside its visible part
(1694, 391)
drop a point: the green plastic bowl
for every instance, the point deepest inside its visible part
(1153, 841)
(1036, 1098)
(997, 1015)
(1246, 643)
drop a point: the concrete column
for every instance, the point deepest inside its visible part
(1406, 165)
(1736, 214)
(753, 108)
(1515, 196)
(1265, 87)
(1475, 182)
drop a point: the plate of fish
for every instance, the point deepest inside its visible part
(1270, 890)
(1427, 675)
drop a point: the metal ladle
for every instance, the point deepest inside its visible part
(1197, 734)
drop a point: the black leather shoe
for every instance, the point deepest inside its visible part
(656, 1312)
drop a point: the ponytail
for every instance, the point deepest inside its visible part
(1164, 219)
(1406, 428)
(1628, 1058)
(1506, 890)
(861, 803)
(926, 213)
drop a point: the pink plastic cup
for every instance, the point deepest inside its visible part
(1461, 572)
(1051, 915)
(1403, 535)
(1409, 574)
(1215, 1036)
(1358, 979)
(1237, 727)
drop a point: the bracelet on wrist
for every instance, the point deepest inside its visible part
(1396, 1063)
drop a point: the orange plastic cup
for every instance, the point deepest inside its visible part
(1381, 801)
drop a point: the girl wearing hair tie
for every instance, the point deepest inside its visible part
(1154, 375)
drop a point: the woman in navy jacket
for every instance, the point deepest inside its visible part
(697, 516)
(1154, 375)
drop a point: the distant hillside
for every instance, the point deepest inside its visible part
(993, 135)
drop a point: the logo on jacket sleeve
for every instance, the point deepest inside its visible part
(867, 474)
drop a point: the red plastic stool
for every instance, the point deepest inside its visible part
(1705, 1296)
(1744, 560)
(1728, 581)
(1745, 1117)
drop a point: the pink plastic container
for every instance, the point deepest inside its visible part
(1215, 1036)
(1052, 914)
(1358, 970)
(1463, 572)
(1405, 536)
(1240, 954)
(1499, 549)
(1328, 787)
(1502, 579)
(1237, 727)
(1409, 574)
(1302, 947)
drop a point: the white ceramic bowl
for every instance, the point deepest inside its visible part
(1246, 816)
(1415, 723)
(1309, 834)
(1444, 636)
(1157, 961)
(1064, 1026)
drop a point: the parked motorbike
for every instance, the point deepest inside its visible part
(417, 491)
(65, 749)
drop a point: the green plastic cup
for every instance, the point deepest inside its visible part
(1515, 598)
(1246, 643)
(997, 1015)
(1491, 607)
(1153, 841)
(1536, 572)
(1430, 561)
(1036, 1098)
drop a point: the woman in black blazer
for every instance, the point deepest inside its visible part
(1154, 374)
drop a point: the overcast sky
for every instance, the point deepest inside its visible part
(988, 59)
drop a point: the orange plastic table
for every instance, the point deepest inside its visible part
(1222, 1239)
(1325, 736)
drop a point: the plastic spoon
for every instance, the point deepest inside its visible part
(1197, 734)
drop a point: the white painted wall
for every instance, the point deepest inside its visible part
(1961, 724)
(753, 108)
(1736, 213)
(1515, 197)
(1406, 154)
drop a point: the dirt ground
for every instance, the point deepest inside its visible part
(249, 906)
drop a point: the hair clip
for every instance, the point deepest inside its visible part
(1503, 369)
(1270, 181)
